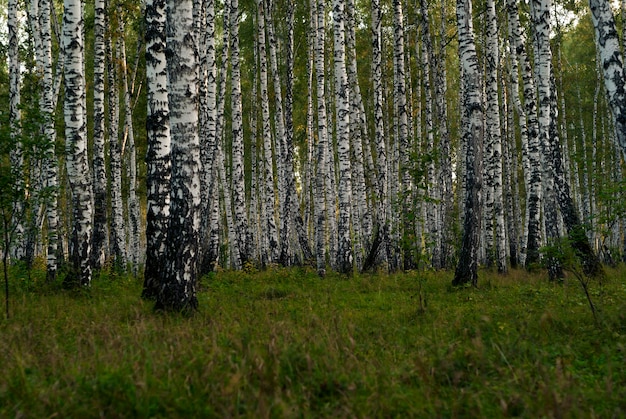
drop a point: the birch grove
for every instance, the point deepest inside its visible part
(342, 135)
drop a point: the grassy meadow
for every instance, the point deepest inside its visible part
(284, 343)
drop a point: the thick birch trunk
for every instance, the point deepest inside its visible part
(467, 267)
(177, 283)
(611, 61)
(159, 146)
(76, 144)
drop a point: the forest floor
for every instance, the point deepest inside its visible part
(284, 343)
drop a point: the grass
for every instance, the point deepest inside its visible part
(283, 343)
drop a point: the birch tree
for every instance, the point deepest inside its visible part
(320, 207)
(177, 284)
(268, 166)
(100, 230)
(495, 205)
(611, 61)
(51, 165)
(118, 235)
(467, 268)
(77, 162)
(533, 179)
(238, 182)
(342, 109)
(158, 154)
(17, 157)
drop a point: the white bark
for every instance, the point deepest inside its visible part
(268, 165)
(467, 267)
(159, 145)
(77, 162)
(611, 61)
(100, 232)
(342, 110)
(238, 185)
(177, 283)
(320, 206)
(493, 148)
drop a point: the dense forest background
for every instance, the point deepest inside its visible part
(337, 140)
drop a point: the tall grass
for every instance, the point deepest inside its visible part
(284, 343)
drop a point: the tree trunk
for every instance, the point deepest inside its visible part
(100, 228)
(118, 235)
(342, 109)
(76, 145)
(159, 146)
(238, 181)
(467, 268)
(322, 138)
(177, 285)
(494, 139)
(611, 61)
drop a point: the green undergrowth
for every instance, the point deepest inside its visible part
(284, 343)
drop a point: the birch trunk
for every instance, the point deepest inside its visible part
(402, 131)
(177, 283)
(118, 235)
(540, 10)
(533, 196)
(320, 207)
(209, 142)
(381, 237)
(17, 251)
(467, 267)
(342, 110)
(273, 251)
(494, 140)
(611, 61)
(100, 230)
(51, 163)
(238, 182)
(76, 145)
(159, 146)
(128, 145)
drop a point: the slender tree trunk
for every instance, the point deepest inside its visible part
(76, 145)
(131, 163)
(540, 10)
(209, 141)
(381, 238)
(100, 228)
(177, 285)
(467, 267)
(322, 138)
(118, 235)
(238, 181)
(611, 61)
(273, 251)
(494, 139)
(17, 250)
(51, 167)
(402, 129)
(533, 187)
(342, 110)
(159, 145)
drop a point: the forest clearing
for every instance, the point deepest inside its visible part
(285, 343)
